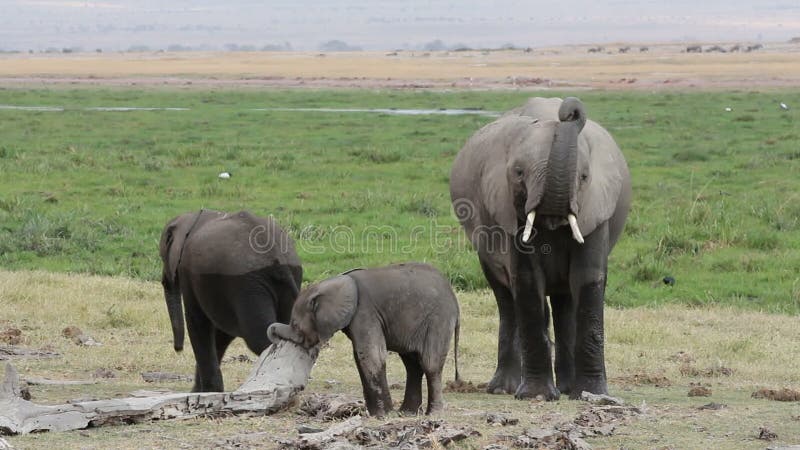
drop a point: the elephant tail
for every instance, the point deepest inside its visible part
(456, 334)
(175, 310)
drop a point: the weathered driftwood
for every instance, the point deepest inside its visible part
(316, 440)
(281, 371)
(12, 351)
(4, 445)
(48, 382)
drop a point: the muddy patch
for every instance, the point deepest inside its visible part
(11, 336)
(780, 395)
(464, 387)
(699, 391)
(643, 379)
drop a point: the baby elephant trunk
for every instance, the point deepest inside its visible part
(280, 331)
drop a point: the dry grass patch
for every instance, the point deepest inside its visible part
(129, 319)
(664, 66)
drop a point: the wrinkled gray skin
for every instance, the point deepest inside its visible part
(229, 287)
(544, 157)
(406, 308)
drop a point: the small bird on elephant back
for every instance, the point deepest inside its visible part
(543, 194)
(237, 274)
(405, 308)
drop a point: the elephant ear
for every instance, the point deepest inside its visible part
(334, 305)
(498, 200)
(167, 248)
(607, 172)
(172, 240)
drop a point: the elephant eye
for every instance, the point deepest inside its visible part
(519, 172)
(584, 177)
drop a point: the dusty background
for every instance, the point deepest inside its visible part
(659, 67)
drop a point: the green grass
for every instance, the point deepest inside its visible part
(716, 194)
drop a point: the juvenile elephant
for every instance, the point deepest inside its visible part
(405, 308)
(543, 194)
(237, 274)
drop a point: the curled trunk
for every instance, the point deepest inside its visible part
(562, 164)
(280, 331)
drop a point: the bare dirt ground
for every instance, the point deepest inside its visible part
(660, 67)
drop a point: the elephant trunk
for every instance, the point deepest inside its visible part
(558, 198)
(280, 331)
(172, 295)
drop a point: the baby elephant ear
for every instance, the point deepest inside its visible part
(334, 305)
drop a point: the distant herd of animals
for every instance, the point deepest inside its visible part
(542, 193)
(689, 49)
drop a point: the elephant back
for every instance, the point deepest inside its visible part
(239, 243)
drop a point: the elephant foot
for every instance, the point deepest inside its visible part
(565, 385)
(434, 408)
(542, 389)
(378, 413)
(595, 385)
(218, 388)
(504, 382)
(410, 409)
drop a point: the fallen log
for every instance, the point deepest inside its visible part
(317, 440)
(280, 373)
(12, 351)
(48, 382)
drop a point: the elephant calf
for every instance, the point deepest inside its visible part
(237, 274)
(405, 308)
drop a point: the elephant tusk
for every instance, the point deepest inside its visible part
(576, 232)
(526, 234)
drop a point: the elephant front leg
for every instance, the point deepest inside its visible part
(507, 376)
(371, 362)
(590, 369)
(533, 322)
(564, 330)
(588, 285)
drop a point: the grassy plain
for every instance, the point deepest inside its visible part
(716, 193)
(654, 356)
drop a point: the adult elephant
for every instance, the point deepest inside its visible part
(237, 274)
(543, 194)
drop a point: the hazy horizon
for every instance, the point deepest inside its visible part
(110, 25)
